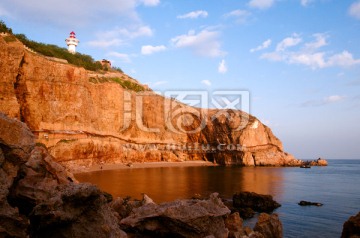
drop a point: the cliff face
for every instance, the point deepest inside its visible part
(84, 119)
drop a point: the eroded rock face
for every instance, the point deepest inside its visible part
(84, 123)
(182, 218)
(351, 228)
(78, 210)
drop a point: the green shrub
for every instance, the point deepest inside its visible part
(67, 140)
(4, 28)
(9, 38)
(77, 59)
(40, 144)
(123, 83)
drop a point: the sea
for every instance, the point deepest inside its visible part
(337, 186)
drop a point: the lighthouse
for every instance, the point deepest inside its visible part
(72, 42)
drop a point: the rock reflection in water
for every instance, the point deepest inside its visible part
(167, 184)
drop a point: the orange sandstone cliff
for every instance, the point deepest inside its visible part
(84, 119)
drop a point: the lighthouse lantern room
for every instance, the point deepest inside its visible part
(72, 42)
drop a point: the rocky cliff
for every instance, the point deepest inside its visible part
(86, 118)
(40, 198)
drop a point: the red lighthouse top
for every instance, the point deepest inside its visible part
(72, 35)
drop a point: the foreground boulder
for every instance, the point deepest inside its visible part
(351, 228)
(16, 143)
(269, 226)
(247, 203)
(38, 180)
(181, 218)
(79, 210)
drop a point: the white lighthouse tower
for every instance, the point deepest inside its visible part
(72, 42)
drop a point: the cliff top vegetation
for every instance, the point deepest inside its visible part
(78, 59)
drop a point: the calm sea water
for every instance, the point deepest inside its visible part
(336, 186)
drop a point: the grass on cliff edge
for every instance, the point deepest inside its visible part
(123, 83)
(77, 59)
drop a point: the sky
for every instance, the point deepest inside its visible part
(299, 60)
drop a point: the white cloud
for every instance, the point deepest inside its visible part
(222, 67)
(310, 54)
(194, 14)
(325, 101)
(320, 41)
(205, 43)
(59, 12)
(261, 4)
(150, 3)
(288, 42)
(333, 98)
(149, 49)
(206, 82)
(354, 10)
(344, 59)
(313, 60)
(240, 15)
(123, 57)
(120, 36)
(305, 2)
(264, 45)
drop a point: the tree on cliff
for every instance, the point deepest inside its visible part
(4, 28)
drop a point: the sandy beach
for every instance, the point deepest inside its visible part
(146, 165)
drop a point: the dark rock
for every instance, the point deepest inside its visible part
(306, 203)
(16, 140)
(79, 210)
(234, 224)
(37, 180)
(124, 206)
(269, 226)
(12, 224)
(248, 202)
(351, 228)
(181, 218)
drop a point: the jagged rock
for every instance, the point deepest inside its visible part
(147, 200)
(124, 206)
(37, 180)
(12, 224)
(248, 202)
(78, 210)
(269, 226)
(306, 203)
(351, 228)
(181, 218)
(319, 162)
(16, 142)
(234, 224)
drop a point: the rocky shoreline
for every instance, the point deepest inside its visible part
(40, 198)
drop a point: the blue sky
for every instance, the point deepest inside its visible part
(299, 59)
